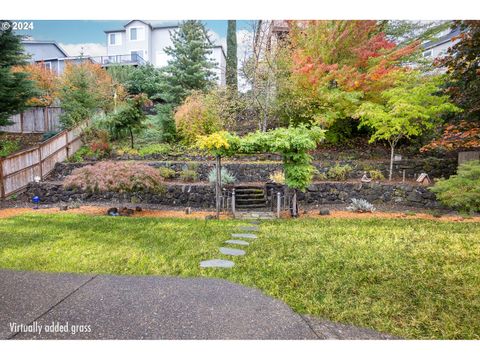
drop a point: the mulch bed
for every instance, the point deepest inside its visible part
(202, 214)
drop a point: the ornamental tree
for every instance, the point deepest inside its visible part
(46, 82)
(331, 65)
(407, 110)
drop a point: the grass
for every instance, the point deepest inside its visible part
(411, 278)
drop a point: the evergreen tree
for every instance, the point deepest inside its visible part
(231, 70)
(15, 87)
(189, 67)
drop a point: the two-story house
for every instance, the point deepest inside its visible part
(141, 41)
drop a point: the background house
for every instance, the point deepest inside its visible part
(50, 54)
(438, 48)
(142, 42)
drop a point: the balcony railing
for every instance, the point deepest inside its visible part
(129, 59)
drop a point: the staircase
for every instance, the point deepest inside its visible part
(250, 197)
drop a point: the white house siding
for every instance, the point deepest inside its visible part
(160, 40)
(153, 45)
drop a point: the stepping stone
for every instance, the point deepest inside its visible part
(237, 242)
(216, 263)
(233, 252)
(245, 236)
(248, 228)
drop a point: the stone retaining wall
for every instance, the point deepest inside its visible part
(203, 195)
(260, 172)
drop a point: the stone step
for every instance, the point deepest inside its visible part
(232, 251)
(237, 242)
(216, 263)
(251, 206)
(250, 201)
(244, 236)
(249, 196)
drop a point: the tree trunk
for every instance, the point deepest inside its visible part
(392, 150)
(218, 185)
(131, 137)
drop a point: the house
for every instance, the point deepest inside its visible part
(50, 54)
(438, 48)
(140, 42)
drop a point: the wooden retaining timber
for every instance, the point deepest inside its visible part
(21, 168)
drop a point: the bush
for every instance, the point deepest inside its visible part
(278, 177)
(115, 176)
(360, 205)
(339, 172)
(154, 149)
(8, 147)
(225, 175)
(188, 175)
(167, 173)
(376, 175)
(198, 115)
(461, 191)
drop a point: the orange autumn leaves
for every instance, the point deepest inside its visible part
(353, 55)
(49, 84)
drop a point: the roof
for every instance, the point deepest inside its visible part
(46, 42)
(442, 40)
(151, 25)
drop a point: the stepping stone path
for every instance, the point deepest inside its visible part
(232, 252)
(245, 236)
(219, 263)
(248, 228)
(237, 242)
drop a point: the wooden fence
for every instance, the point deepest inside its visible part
(35, 120)
(18, 169)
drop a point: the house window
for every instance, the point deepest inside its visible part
(112, 39)
(427, 53)
(133, 34)
(47, 65)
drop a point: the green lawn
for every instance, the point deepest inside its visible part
(411, 278)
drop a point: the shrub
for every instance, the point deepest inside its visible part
(360, 205)
(154, 149)
(376, 175)
(167, 173)
(461, 191)
(339, 172)
(115, 176)
(198, 115)
(8, 147)
(278, 177)
(226, 176)
(126, 150)
(188, 175)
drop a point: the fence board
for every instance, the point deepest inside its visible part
(465, 156)
(18, 169)
(35, 120)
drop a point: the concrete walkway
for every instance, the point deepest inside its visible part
(67, 306)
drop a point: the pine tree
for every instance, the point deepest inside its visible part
(231, 70)
(15, 87)
(190, 67)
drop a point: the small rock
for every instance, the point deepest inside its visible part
(63, 207)
(112, 212)
(138, 209)
(324, 212)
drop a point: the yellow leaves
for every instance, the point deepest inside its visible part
(215, 141)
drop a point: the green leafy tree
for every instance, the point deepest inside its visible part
(407, 110)
(461, 191)
(189, 67)
(144, 79)
(231, 65)
(130, 119)
(15, 87)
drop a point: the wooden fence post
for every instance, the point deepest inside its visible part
(2, 185)
(67, 145)
(21, 122)
(40, 161)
